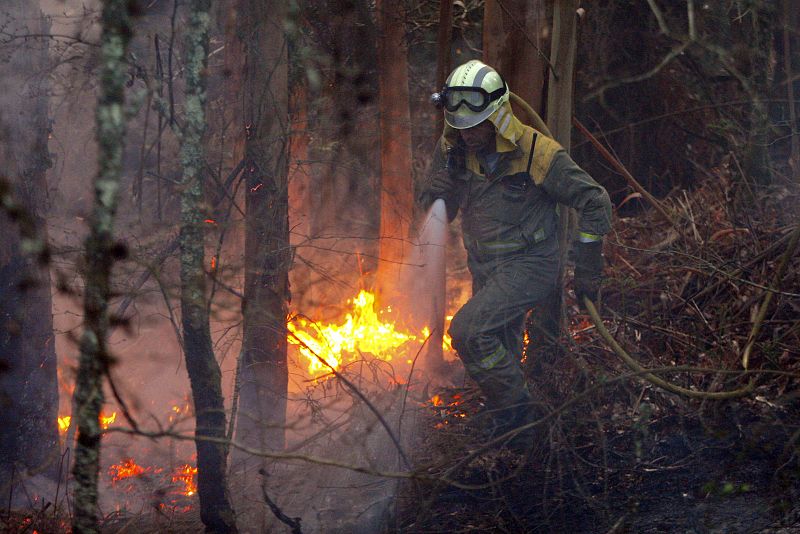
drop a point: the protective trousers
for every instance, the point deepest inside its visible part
(487, 330)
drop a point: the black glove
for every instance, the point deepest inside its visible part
(441, 186)
(445, 184)
(588, 270)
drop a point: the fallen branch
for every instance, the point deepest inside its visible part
(291, 522)
(650, 377)
(762, 311)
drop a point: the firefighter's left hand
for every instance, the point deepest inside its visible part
(589, 264)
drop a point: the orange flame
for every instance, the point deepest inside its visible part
(63, 423)
(179, 412)
(104, 420)
(579, 330)
(186, 474)
(361, 332)
(126, 469)
(107, 420)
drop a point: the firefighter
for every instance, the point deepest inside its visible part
(507, 178)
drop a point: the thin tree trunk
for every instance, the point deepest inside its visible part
(395, 125)
(443, 41)
(550, 322)
(265, 103)
(789, 17)
(201, 364)
(28, 382)
(756, 158)
(513, 44)
(100, 253)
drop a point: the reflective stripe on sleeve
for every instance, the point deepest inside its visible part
(488, 247)
(585, 237)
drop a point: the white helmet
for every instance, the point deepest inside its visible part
(473, 91)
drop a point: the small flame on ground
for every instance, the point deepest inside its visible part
(186, 474)
(579, 330)
(127, 468)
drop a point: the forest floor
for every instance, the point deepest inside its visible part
(728, 470)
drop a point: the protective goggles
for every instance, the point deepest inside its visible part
(475, 98)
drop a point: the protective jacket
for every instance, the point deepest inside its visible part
(508, 198)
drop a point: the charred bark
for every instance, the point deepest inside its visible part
(28, 381)
(265, 103)
(100, 254)
(201, 364)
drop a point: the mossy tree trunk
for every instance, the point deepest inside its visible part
(100, 254)
(204, 372)
(28, 381)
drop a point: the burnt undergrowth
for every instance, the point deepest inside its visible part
(615, 453)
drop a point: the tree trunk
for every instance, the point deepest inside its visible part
(443, 42)
(395, 125)
(204, 373)
(265, 104)
(761, 18)
(790, 27)
(28, 381)
(549, 319)
(100, 253)
(513, 44)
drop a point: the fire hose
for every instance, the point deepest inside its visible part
(537, 121)
(633, 364)
(540, 125)
(650, 377)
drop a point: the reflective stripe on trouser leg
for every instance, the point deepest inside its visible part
(487, 330)
(500, 378)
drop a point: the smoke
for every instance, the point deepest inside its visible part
(373, 428)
